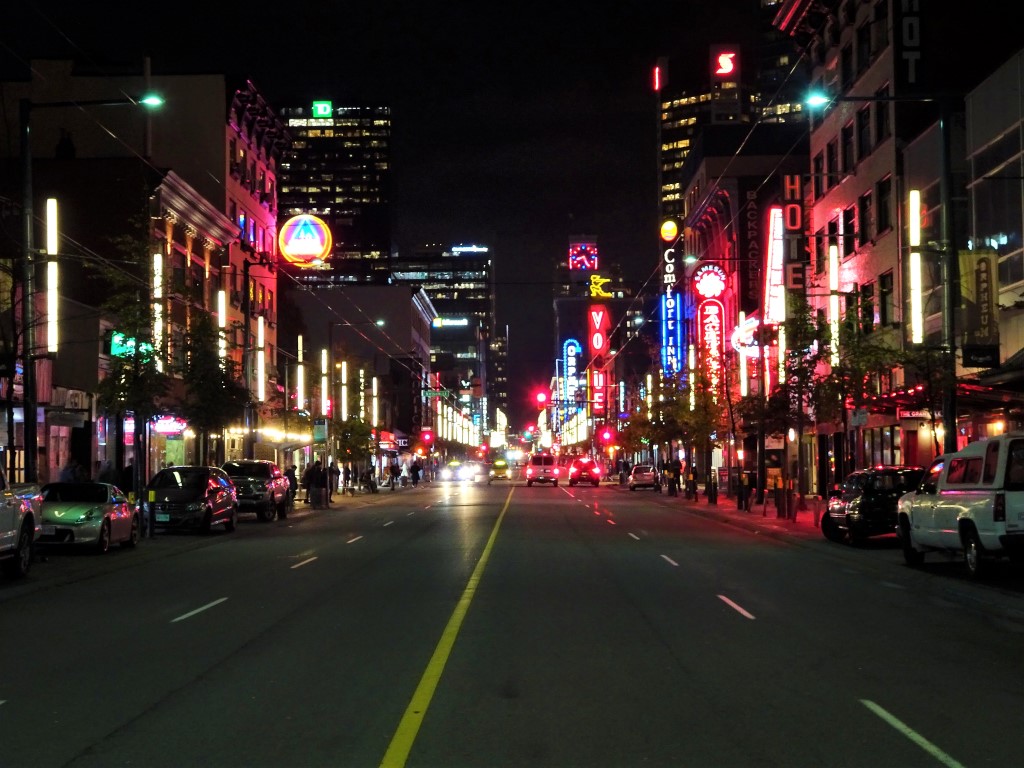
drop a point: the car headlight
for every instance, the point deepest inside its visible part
(260, 486)
(446, 474)
(196, 506)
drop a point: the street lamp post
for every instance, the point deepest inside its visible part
(950, 269)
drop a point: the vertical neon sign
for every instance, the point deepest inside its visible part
(598, 325)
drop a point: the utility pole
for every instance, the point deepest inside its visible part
(28, 375)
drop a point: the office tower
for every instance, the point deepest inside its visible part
(338, 169)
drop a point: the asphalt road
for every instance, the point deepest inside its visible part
(475, 625)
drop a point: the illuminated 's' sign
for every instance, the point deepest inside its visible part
(305, 240)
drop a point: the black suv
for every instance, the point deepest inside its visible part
(191, 497)
(584, 470)
(262, 487)
(865, 505)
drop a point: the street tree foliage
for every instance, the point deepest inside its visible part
(929, 367)
(134, 383)
(214, 396)
(354, 440)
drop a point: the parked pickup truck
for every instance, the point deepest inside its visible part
(969, 504)
(20, 526)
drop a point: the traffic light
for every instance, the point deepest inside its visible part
(542, 398)
(607, 433)
(528, 432)
(427, 437)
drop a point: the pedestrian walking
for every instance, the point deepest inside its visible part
(346, 478)
(293, 483)
(396, 472)
(414, 471)
(333, 473)
(317, 485)
(307, 477)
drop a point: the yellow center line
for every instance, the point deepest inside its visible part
(405, 734)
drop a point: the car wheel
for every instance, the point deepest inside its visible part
(207, 521)
(855, 537)
(572, 483)
(103, 540)
(529, 483)
(282, 510)
(267, 513)
(596, 483)
(134, 534)
(232, 522)
(911, 556)
(632, 487)
(973, 558)
(556, 483)
(19, 565)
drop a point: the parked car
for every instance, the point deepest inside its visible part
(191, 498)
(644, 476)
(20, 526)
(970, 504)
(542, 468)
(262, 487)
(584, 469)
(865, 504)
(86, 514)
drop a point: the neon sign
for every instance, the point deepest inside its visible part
(725, 63)
(671, 333)
(305, 240)
(570, 364)
(710, 339)
(582, 255)
(598, 324)
(774, 287)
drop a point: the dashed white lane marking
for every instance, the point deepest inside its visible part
(612, 522)
(353, 540)
(198, 610)
(389, 522)
(913, 735)
(669, 560)
(735, 607)
(307, 561)
(635, 536)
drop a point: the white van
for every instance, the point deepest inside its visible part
(970, 503)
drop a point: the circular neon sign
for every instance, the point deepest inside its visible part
(305, 240)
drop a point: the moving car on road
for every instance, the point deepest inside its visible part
(542, 468)
(88, 514)
(584, 469)
(644, 476)
(499, 470)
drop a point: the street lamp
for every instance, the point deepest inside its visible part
(29, 394)
(950, 268)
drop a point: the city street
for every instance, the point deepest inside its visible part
(461, 624)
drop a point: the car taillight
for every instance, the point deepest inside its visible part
(999, 508)
(595, 471)
(557, 470)
(529, 471)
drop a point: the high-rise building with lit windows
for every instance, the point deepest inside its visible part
(338, 169)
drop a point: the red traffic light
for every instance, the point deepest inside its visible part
(427, 437)
(542, 398)
(606, 435)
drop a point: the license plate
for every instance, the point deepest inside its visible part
(163, 517)
(49, 530)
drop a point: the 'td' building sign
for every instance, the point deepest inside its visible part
(305, 240)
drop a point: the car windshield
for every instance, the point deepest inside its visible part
(247, 469)
(88, 493)
(643, 469)
(179, 478)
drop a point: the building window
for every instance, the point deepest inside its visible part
(819, 175)
(886, 314)
(832, 164)
(849, 230)
(867, 308)
(865, 218)
(883, 112)
(846, 148)
(846, 71)
(883, 193)
(863, 47)
(863, 133)
(820, 252)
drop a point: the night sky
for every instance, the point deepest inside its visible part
(515, 125)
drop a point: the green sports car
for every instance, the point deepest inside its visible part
(88, 514)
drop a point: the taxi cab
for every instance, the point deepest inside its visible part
(499, 471)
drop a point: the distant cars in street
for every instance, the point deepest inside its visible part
(542, 468)
(644, 476)
(584, 469)
(499, 470)
(86, 514)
